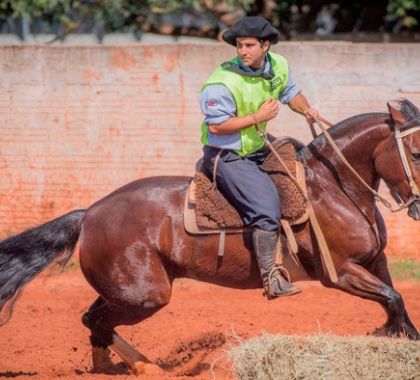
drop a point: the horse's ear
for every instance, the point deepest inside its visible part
(394, 107)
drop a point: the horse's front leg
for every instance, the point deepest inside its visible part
(358, 281)
(379, 268)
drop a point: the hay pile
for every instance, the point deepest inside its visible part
(326, 357)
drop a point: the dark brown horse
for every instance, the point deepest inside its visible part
(133, 243)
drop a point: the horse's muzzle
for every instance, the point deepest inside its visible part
(414, 210)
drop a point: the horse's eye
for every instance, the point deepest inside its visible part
(416, 156)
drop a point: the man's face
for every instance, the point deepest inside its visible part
(251, 51)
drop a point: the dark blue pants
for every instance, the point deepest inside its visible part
(246, 186)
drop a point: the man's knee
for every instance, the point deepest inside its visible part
(265, 222)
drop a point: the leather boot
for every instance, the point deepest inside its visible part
(275, 285)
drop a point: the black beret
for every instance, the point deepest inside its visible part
(251, 26)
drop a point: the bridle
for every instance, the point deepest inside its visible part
(415, 196)
(415, 192)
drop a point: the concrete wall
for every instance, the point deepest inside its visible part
(78, 122)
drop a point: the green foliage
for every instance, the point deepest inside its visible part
(129, 15)
(405, 269)
(113, 15)
(400, 9)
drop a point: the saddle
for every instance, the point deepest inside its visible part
(207, 211)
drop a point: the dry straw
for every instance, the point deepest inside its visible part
(326, 357)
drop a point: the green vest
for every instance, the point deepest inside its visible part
(249, 93)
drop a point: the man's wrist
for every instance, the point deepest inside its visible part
(254, 118)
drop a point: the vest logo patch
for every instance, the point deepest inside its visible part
(211, 102)
(276, 82)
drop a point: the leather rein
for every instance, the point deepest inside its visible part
(403, 155)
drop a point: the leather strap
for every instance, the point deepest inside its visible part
(216, 163)
(290, 236)
(222, 236)
(312, 127)
(326, 258)
(279, 254)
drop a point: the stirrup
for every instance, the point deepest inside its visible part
(283, 271)
(284, 286)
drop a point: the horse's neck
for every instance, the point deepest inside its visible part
(357, 138)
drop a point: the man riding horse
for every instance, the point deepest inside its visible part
(237, 101)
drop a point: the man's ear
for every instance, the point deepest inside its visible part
(266, 46)
(394, 108)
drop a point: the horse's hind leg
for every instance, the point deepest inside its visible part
(356, 280)
(101, 319)
(379, 268)
(134, 286)
(100, 353)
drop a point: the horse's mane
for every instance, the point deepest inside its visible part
(347, 130)
(411, 113)
(409, 110)
(360, 123)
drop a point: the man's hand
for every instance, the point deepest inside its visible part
(300, 105)
(268, 110)
(311, 114)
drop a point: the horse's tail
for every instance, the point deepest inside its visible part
(25, 255)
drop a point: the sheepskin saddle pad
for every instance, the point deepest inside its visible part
(213, 211)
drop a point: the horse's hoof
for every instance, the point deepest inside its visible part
(410, 332)
(147, 369)
(377, 332)
(386, 332)
(101, 360)
(404, 331)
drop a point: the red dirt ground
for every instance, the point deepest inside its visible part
(45, 338)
